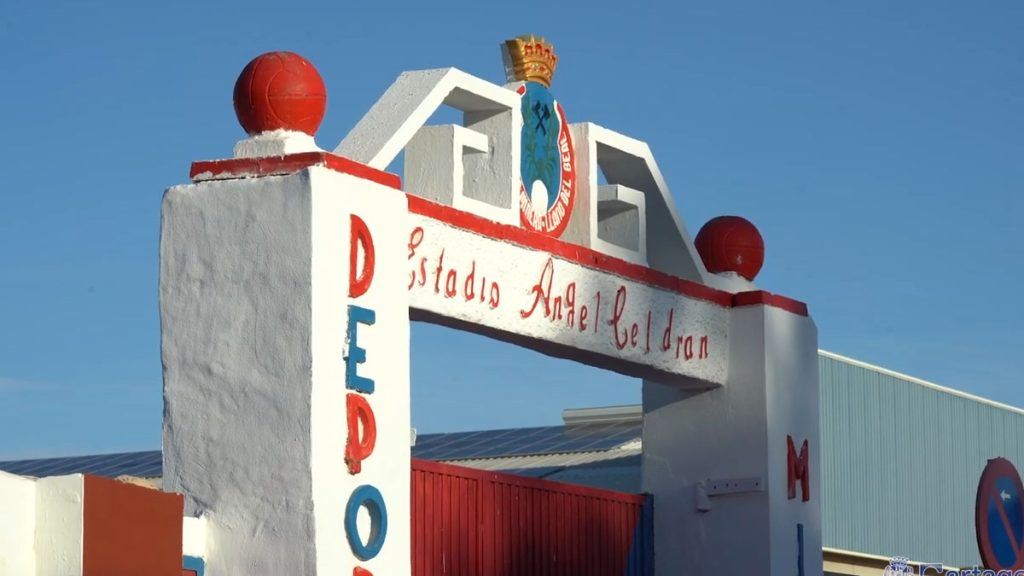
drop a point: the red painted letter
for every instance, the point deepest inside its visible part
(359, 448)
(617, 310)
(796, 468)
(360, 236)
(542, 290)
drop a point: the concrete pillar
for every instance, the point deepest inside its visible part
(286, 349)
(717, 461)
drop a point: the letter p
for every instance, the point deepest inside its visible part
(359, 447)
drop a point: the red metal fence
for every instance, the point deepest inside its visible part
(468, 522)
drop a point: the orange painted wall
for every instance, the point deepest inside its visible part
(130, 530)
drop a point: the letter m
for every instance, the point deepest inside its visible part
(796, 469)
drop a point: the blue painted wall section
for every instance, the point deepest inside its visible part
(196, 565)
(641, 551)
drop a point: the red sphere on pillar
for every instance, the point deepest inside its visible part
(280, 90)
(731, 244)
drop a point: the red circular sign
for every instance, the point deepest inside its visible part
(999, 516)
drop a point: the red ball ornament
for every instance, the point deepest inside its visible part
(280, 90)
(731, 244)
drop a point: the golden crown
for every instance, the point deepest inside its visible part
(530, 59)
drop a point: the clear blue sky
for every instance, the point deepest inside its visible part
(878, 146)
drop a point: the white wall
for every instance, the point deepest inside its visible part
(792, 385)
(59, 525)
(235, 313)
(17, 531)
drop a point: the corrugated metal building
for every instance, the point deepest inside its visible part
(901, 459)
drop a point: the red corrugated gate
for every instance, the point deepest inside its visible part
(468, 522)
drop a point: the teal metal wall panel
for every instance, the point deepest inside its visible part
(901, 460)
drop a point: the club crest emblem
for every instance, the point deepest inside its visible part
(898, 566)
(547, 190)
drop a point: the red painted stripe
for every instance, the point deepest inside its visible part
(593, 259)
(760, 297)
(278, 165)
(572, 252)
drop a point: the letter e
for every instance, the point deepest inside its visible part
(356, 355)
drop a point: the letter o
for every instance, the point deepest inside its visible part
(370, 497)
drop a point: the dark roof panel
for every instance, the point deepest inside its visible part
(523, 441)
(143, 464)
(451, 446)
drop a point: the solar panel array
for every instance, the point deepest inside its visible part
(142, 464)
(450, 446)
(524, 441)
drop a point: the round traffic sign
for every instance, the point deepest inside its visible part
(999, 516)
